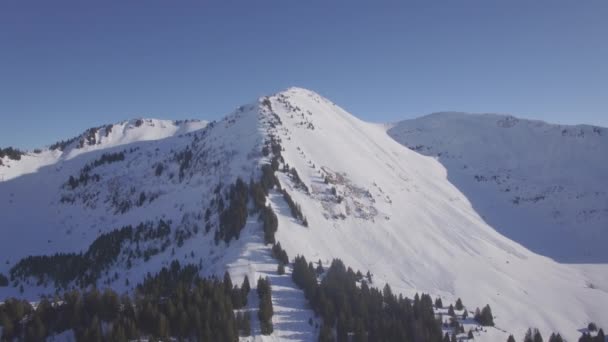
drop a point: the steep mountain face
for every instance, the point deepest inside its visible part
(542, 185)
(353, 193)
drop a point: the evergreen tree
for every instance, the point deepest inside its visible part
(3, 280)
(227, 282)
(600, 336)
(266, 311)
(537, 336)
(511, 338)
(438, 304)
(555, 338)
(470, 335)
(459, 305)
(245, 286)
(485, 317)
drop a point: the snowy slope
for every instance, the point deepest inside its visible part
(97, 138)
(411, 227)
(543, 185)
(367, 199)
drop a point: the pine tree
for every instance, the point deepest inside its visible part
(227, 282)
(438, 304)
(281, 268)
(459, 305)
(470, 335)
(537, 336)
(511, 338)
(245, 286)
(600, 336)
(555, 338)
(3, 280)
(266, 311)
(485, 317)
(451, 311)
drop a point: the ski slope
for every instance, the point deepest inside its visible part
(372, 202)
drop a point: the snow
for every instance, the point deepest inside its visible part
(530, 180)
(395, 213)
(119, 134)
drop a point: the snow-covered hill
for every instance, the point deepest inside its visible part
(542, 185)
(94, 139)
(364, 198)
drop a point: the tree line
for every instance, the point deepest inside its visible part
(175, 303)
(86, 268)
(348, 305)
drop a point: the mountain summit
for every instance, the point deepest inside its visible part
(331, 185)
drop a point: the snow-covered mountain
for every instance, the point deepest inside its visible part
(542, 185)
(363, 197)
(94, 139)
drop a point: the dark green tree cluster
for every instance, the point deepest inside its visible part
(61, 145)
(3, 280)
(83, 179)
(266, 311)
(364, 312)
(555, 338)
(85, 173)
(296, 210)
(295, 177)
(484, 317)
(184, 159)
(106, 158)
(89, 137)
(280, 254)
(259, 191)
(243, 323)
(11, 153)
(234, 217)
(270, 223)
(86, 268)
(12, 312)
(459, 305)
(533, 335)
(175, 303)
(269, 180)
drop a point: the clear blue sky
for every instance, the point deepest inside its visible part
(69, 65)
